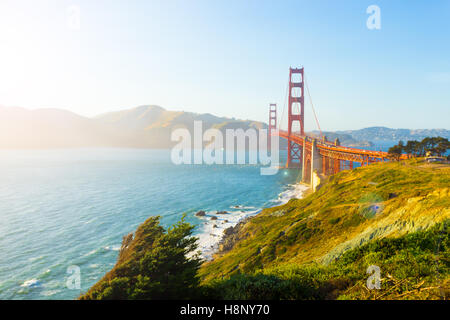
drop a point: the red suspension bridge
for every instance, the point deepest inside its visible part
(312, 154)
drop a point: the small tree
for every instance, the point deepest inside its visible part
(442, 145)
(154, 265)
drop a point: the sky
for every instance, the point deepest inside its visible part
(230, 58)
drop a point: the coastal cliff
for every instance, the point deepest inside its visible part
(389, 216)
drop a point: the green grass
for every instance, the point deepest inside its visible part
(415, 266)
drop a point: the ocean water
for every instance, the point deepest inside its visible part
(71, 207)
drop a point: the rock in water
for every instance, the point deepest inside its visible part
(201, 213)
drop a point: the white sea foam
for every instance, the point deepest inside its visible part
(90, 221)
(33, 259)
(293, 191)
(113, 248)
(212, 230)
(242, 207)
(49, 293)
(31, 283)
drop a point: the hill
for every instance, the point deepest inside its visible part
(140, 127)
(47, 128)
(344, 138)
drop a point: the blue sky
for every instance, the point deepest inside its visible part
(231, 58)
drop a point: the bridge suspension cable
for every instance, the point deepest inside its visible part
(284, 105)
(312, 106)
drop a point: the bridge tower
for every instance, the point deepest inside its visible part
(295, 114)
(272, 122)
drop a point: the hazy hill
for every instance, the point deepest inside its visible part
(153, 125)
(344, 139)
(49, 128)
(367, 137)
(140, 127)
(380, 137)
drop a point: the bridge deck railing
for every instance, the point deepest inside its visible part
(332, 147)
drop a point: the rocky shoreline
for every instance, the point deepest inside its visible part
(223, 229)
(231, 236)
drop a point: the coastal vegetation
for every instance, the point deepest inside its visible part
(413, 266)
(393, 216)
(436, 146)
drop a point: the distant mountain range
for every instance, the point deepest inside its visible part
(381, 136)
(387, 134)
(150, 126)
(344, 139)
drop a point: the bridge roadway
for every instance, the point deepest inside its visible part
(326, 157)
(336, 151)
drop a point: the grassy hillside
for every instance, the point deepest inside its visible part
(387, 200)
(413, 266)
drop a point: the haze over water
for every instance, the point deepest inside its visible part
(67, 207)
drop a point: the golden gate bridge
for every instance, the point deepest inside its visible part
(309, 153)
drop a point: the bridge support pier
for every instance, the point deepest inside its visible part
(312, 161)
(304, 160)
(316, 159)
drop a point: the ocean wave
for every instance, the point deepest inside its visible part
(50, 293)
(91, 253)
(242, 207)
(34, 259)
(113, 248)
(90, 221)
(45, 274)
